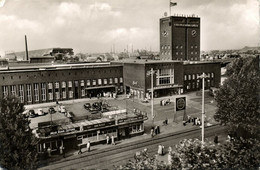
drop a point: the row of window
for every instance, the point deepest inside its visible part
(178, 53)
(197, 85)
(26, 90)
(168, 47)
(196, 76)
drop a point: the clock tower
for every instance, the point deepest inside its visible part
(180, 38)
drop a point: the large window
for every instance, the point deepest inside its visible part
(105, 81)
(82, 83)
(70, 84)
(121, 79)
(36, 92)
(116, 80)
(43, 89)
(5, 91)
(165, 76)
(57, 95)
(49, 85)
(21, 93)
(13, 90)
(57, 85)
(88, 82)
(110, 81)
(29, 92)
(94, 82)
(99, 82)
(63, 84)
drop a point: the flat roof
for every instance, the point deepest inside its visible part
(54, 66)
(146, 61)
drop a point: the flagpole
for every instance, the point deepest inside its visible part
(170, 6)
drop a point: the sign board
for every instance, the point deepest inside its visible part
(180, 103)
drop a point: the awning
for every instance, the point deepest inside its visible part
(100, 87)
(165, 87)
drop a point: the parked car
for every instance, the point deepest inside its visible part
(32, 114)
(51, 110)
(39, 112)
(61, 109)
(93, 110)
(26, 113)
(87, 106)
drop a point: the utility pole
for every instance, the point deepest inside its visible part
(151, 73)
(203, 76)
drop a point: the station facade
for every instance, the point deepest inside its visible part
(48, 83)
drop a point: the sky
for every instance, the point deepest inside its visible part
(90, 26)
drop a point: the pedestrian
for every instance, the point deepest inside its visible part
(80, 152)
(166, 121)
(216, 139)
(162, 150)
(184, 123)
(88, 146)
(152, 131)
(49, 151)
(158, 129)
(61, 149)
(112, 140)
(159, 149)
(107, 139)
(155, 130)
(196, 121)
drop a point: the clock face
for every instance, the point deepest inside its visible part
(193, 33)
(165, 33)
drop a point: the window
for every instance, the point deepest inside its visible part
(181, 53)
(29, 92)
(181, 46)
(185, 77)
(99, 82)
(94, 82)
(13, 90)
(162, 47)
(82, 83)
(177, 47)
(116, 80)
(43, 89)
(70, 94)
(57, 95)
(196, 46)
(212, 75)
(193, 76)
(63, 94)
(110, 81)
(191, 52)
(50, 95)
(36, 92)
(196, 52)
(169, 47)
(121, 79)
(21, 93)
(189, 77)
(88, 82)
(83, 92)
(191, 47)
(105, 81)
(57, 85)
(69, 83)
(49, 85)
(177, 53)
(63, 84)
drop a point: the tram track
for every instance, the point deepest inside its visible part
(120, 154)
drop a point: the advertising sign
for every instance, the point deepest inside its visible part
(180, 103)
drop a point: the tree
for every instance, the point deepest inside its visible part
(18, 143)
(238, 98)
(191, 154)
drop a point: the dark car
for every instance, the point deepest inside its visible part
(51, 110)
(94, 110)
(97, 105)
(32, 114)
(87, 106)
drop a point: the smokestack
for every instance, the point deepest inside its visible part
(26, 49)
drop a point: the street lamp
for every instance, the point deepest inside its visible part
(203, 76)
(151, 72)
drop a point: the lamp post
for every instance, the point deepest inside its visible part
(151, 72)
(203, 76)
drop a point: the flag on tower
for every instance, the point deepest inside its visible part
(173, 3)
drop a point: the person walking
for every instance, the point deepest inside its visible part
(88, 146)
(80, 152)
(49, 151)
(107, 139)
(112, 140)
(152, 133)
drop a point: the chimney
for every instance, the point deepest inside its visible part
(26, 49)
